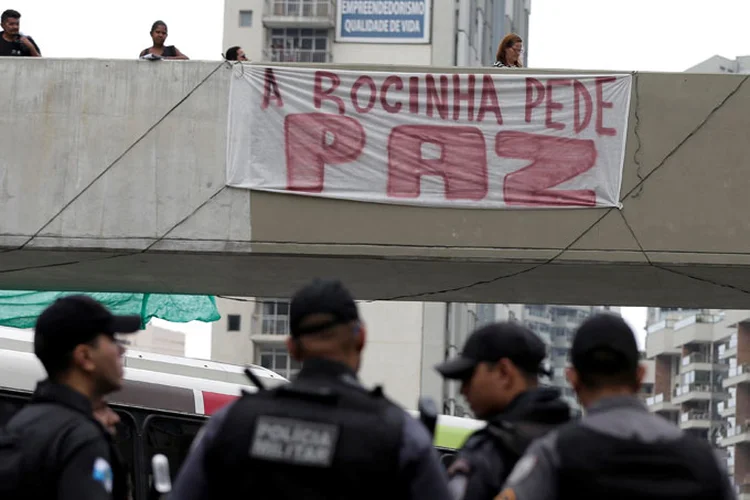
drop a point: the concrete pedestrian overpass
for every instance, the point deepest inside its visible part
(97, 192)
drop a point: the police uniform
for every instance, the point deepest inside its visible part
(67, 453)
(322, 436)
(618, 450)
(489, 454)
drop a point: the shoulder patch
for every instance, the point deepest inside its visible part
(522, 469)
(102, 474)
(294, 441)
(506, 494)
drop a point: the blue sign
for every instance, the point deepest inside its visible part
(383, 21)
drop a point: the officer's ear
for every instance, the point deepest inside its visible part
(83, 357)
(293, 347)
(640, 372)
(506, 369)
(361, 337)
(573, 379)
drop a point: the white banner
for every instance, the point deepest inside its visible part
(496, 140)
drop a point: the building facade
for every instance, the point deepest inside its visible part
(405, 340)
(158, 340)
(702, 381)
(556, 325)
(411, 32)
(719, 64)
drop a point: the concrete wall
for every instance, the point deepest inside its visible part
(393, 354)
(232, 347)
(161, 340)
(66, 121)
(358, 53)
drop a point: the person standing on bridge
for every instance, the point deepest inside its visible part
(322, 436)
(235, 54)
(54, 447)
(12, 41)
(158, 50)
(618, 450)
(499, 369)
(509, 52)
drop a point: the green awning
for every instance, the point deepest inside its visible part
(19, 309)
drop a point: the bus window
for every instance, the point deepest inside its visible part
(171, 436)
(447, 457)
(125, 440)
(9, 406)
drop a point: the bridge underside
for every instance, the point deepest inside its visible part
(373, 278)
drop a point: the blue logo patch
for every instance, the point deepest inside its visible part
(103, 474)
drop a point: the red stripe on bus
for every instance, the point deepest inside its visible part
(214, 401)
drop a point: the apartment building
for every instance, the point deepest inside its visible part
(735, 410)
(158, 340)
(702, 368)
(718, 64)
(417, 32)
(405, 340)
(556, 325)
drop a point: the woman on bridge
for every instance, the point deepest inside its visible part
(509, 52)
(158, 50)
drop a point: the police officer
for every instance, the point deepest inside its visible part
(69, 453)
(323, 436)
(498, 370)
(618, 450)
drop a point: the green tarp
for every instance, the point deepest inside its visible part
(19, 309)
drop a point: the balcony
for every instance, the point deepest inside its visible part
(660, 341)
(695, 419)
(660, 403)
(728, 349)
(736, 435)
(700, 362)
(561, 341)
(697, 392)
(545, 336)
(300, 14)
(737, 375)
(727, 408)
(297, 55)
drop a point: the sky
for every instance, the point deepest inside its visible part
(643, 35)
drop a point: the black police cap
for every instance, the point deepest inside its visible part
(493, 342)
(325, 297)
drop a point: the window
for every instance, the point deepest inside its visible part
(538, 311)
(277, 359)
(171, 436)
(233, 323)
(246, 18)
(125, 440)
(298, 45)
(559, 352)
(9, 406)
(274, 317)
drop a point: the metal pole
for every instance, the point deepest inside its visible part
(711, 400)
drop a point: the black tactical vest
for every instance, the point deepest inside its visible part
(594, 465)
(319, 437)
